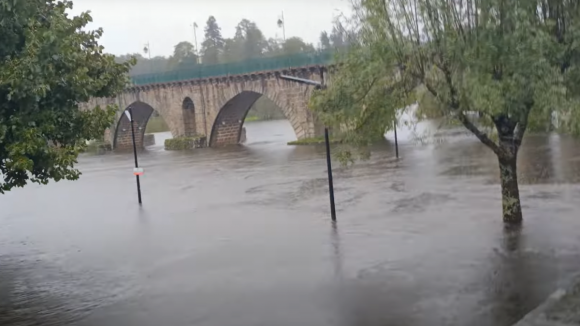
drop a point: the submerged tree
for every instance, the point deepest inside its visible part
(48, 65)
(512, 62)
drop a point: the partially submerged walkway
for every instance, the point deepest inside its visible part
(562, 308)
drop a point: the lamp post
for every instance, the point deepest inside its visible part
(320, 85)
(147, 50)
(282, 24)
(195, 40)
(137, 171)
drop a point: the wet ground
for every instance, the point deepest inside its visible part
(242, 237)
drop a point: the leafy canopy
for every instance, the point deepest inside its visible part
(48, 65)
(515, 62)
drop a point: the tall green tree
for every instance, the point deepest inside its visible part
(339, 37)
(250, 40)
(512, 62)
(49, 64)
(324, 41)
(144, 65)
(183, 57)
(273, 48)
(213, 45)
(232, 51)
(294, 45)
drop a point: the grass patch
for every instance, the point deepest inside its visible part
(313, 141)
(252, 118)
(156, 124)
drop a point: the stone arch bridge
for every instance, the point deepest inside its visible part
(214, 107)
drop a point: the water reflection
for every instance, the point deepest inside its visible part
(518, 277)
(240, 236)
(337, 254)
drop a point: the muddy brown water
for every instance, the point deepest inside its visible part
(242, 237)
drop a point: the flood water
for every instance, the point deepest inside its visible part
(242, 237)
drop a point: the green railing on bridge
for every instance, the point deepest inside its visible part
(236, 68)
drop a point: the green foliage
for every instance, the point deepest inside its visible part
(511, 61)
(184, 143)
(183, 57)
(314, 141)
(428, 106)
(248, 44)
(236, 68)
(97, 147)
(264, 109)
(156, 124)
(357, 103)
(249, 40)
(296, 45)
(514, 63)
(144, 65)
(324, 40)
(251, 118)
(213, 45)
(48, 65)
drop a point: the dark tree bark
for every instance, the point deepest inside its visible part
(510, 133)
(512, 208)
(507, 155)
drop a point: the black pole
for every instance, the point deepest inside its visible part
(135, 154)
(329, 168)
(328, 161)
(396, 140)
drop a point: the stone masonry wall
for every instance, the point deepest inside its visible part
(219, 105)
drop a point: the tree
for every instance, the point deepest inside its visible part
(213, 45)
(144, 65)
(183, 56)
(250, 39)
(509, 61)
(338, 37)
(48, 65)
(324, 41)
(273, 48)
(295, 45)
(232, 51)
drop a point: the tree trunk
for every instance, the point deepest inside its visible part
(512, 208)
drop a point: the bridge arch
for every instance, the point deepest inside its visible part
(227, 126)
(122, 138)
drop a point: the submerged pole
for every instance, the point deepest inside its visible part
(329, 169)
(328, 161)
(135, 155)
(396, 140)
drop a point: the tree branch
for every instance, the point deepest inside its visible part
(461, 116)
(479, 134)
(522, 125)
(368, 90)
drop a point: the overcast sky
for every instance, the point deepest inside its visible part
(129, 24)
